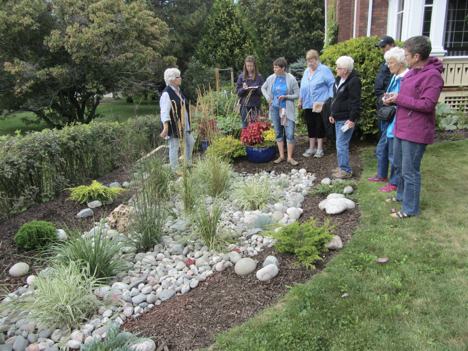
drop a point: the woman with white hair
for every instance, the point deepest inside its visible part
(395, 59)
(345, 110)
(175, 118)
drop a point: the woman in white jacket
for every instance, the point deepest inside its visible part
(280, 90)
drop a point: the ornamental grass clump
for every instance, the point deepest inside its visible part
(254, 193)
(305, 240)
(96, 191)
(62, 296)
(207, 220)
(98, 252)
(35, 235)
(214, 175)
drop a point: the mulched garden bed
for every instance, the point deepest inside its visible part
(224, 300)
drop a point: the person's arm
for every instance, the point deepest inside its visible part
(330, 80)
(239, 86)
(265, 91)
(354, 99)
(259, 82)
(428, 98)
(165, 108)
(294, 87)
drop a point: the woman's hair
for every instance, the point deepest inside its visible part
(312, 54)
(250, 58)
(346, 62)
(170, 74)
(418, 45)
(398, 54)
(281, 62)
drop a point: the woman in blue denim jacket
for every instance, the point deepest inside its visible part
(396, 63)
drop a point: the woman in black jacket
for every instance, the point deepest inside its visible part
(345, 111)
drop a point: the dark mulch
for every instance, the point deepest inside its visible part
(224, 300)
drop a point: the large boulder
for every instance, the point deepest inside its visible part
(119, 218)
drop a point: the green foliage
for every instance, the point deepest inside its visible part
(57, 59)
(207, 219)
(226, 148)
(114, 340)
(151, 187)
(226, 38)
(230, 124)
(95, 254)
(213, 174)
(336, 187)
(39, 166)
(297, 68)
(253, 194)
(96, 191)
(64, 295)
(184, 18)
(367, 61)
(332, 25)
(197, 77)
(35, 235)
(286, 28)
(262, 221)
(306, 241)
(450, 119)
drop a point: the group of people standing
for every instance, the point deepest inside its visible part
(402, 142)
(317, 85)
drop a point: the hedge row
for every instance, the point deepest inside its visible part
(37, 167)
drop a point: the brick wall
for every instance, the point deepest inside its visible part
(345, 17)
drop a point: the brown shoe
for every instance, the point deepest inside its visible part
(293, 162)
(337, 169)
(342, 174)
(279, 160)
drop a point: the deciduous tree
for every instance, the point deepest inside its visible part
(59, 57)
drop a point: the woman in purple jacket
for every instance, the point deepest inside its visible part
(249, 84)
(415, 120)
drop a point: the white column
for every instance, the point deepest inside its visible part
(439, 11)
(392, 18)
(413, 18)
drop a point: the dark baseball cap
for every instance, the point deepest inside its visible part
(386, 40)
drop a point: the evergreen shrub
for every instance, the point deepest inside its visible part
(367, 61)
(35, 235)
(226, 148)
(96, 191)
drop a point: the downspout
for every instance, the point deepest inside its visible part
(355, 15)
(369, 18)
(326, 28)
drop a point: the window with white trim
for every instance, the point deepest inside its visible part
(400, 12)
(456, 28)
(426, 30)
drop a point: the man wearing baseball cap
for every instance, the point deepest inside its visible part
(383, 77)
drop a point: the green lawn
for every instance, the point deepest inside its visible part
(416, 301)
(115, 111)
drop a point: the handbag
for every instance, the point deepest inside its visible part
(386, 113)
(237, 106)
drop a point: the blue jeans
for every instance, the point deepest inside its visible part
(274, 115)
(342, 145)
(385, 156)
(407, 157)
(174, 150)
(248, 115)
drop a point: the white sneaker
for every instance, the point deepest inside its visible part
(319, 153)
(309, 152)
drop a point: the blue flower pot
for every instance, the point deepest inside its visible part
(205, 144)
(260, 154)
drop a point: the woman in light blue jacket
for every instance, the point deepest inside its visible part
(316, 87)
(397, 64)
(280, 90)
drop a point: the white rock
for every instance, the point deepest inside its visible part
(31, 279)
(74, 345)
(61, 235)
(294, 213)
(335, 196)
(349, 204)
(334, 244)
(146, 345)
(348, 189)
(94, 204)
(18, 270)
(267, 272)
(271, 260)
(220, 267)
(234, 256)
(335, 206)
(277, 216)
(245, 266)
(326, 181)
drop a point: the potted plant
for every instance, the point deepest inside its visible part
(260, 142)
(207, 131)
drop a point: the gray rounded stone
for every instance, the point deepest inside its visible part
(152, 298)
(234, 256)
(20, 343)
(267, 273)
(166, 294)
(139, 298)
(145, 345)
(18, 270)
(245, 266)
(335, 243)
(271, 260)
(87, 212)
(94, 204)
(277, 216)
(115, 185)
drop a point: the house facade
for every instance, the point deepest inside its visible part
(445, 22)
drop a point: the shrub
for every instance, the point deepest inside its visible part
(306, 241)
(253, 194)
(253, 135)
(35, 235)
(96, 253)
(207, 222)
(230, 124)
(226, 148)
(114, 341)
(262, 221)
(40, 165)
(96, 191)
(367, 61)
(63, 296)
